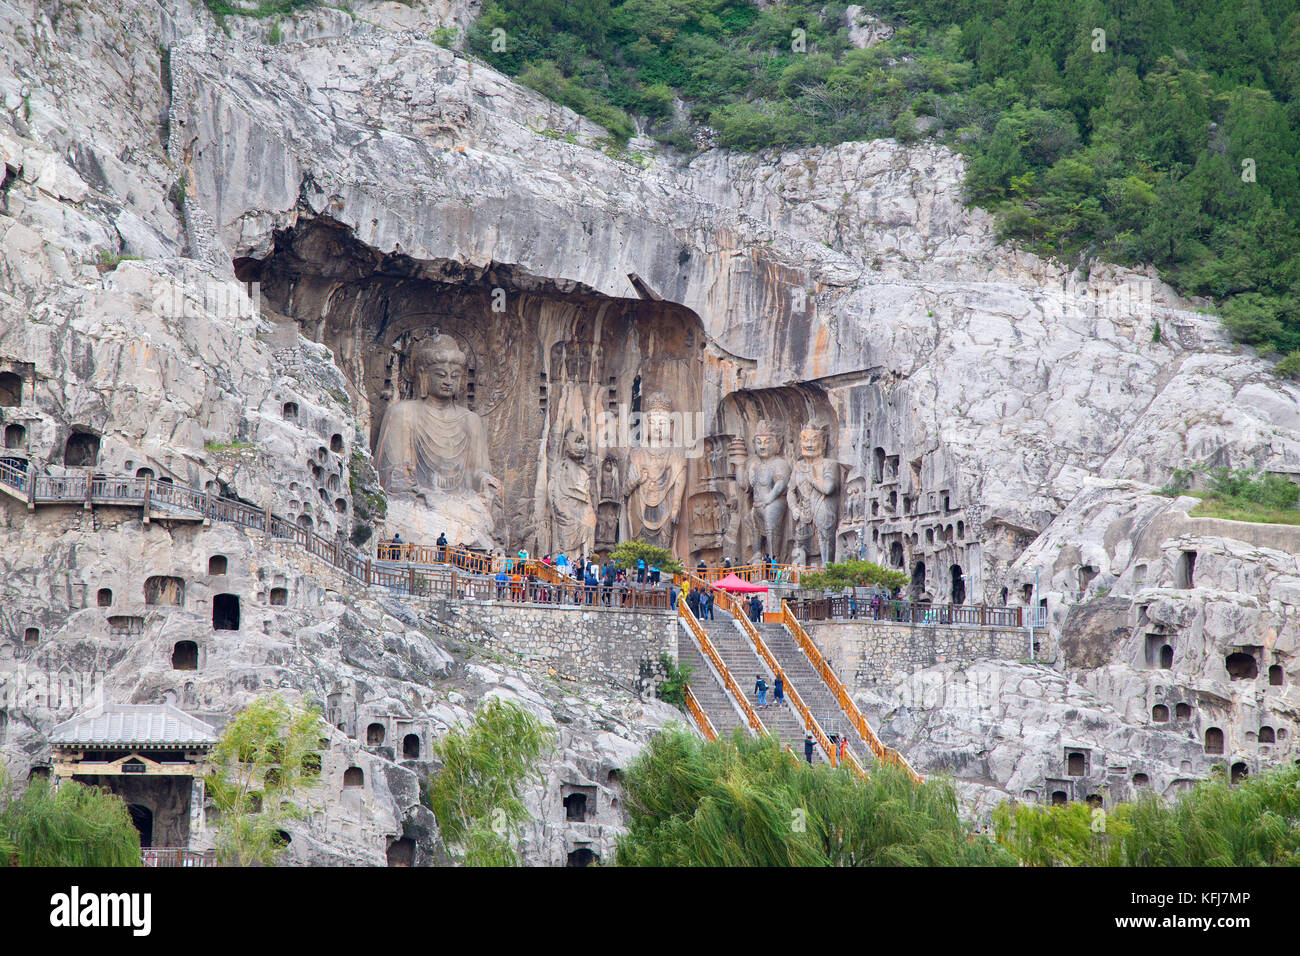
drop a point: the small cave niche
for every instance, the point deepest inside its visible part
(11, 390)
(958, 585)
(1093, 800)
(32, 635)
(353, 777)
(225, 612)
(305, 522)
(411, 747)
(164, 589)
(104, 597)
(15, 436)
(1239, 772)
(1241, 666)
(217, 564)
(1029, 796)
(1076, 763)
(290, 412)
(1059, 798)
(575, 807)
(1213, 740)
(375, 735)
(1275, 675)
(1182, 711)
(322, 455)
(401, 852)
(185, 656)
(336, 443)
(1185, 570)
(1026, 593)
(896, 553)
(918, 579)
(1087, 573)
(81, 449)
(279, 596)
(582, 856)
(1141, 780)
(125, 624)
(142, 473)
(1160, 714)
(1166, 656)
(1267, 735)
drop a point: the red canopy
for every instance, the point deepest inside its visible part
(733, 583)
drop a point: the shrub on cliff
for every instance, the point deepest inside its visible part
(75, 825)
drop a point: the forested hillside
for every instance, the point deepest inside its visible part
(1127, 130)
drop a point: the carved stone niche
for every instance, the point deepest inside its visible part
(768, 531)
(542, 358)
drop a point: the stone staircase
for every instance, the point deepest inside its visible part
(812, 688)
(742, 660)
(708, 690)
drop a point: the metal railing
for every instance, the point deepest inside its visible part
(842, 607)
(701, 718)
(711, 653)
(841, 694)
(149, 493)
(168, 856)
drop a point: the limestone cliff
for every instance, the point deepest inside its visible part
(211, 244)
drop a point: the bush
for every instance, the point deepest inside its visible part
(627, 553)
(75, 825)
(748, 802)
(672, 689)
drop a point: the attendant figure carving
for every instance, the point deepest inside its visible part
(813, 501)
(766, 479)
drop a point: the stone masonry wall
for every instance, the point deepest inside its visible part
(866, 654)
(591, 644)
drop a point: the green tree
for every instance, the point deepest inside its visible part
(477, 795)
(748, 802)
(75, 825)
(266, 757)
(627, 553)
(853, 573)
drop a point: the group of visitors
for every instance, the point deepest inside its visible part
(778, 690)
(700, 601)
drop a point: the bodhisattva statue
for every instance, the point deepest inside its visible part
(814, 483)
(656, 478)
(766, 479)
(428, 444)
(571, 510)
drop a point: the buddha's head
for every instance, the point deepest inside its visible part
(659, 421)
(439, 367)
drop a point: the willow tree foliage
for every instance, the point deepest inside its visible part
(267, 756)
(75, 825)
(477, 796)
(1252, 823)
(748, 802)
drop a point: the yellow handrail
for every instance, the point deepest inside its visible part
(729, 604)
(841, 693)
(712, 654)
(701, 718)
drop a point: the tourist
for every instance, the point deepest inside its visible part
(778, 690)
(640, 570)
(590, 583)
(502, 580)
(808, 747)
(700, 569)
(726, 564)
(562, 563)
(654, 575)
(395, 552)
(760, 688)
(672, 596)
(706, 601)
(442, 546)
(844, 747)
(693, 602)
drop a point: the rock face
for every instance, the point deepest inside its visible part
(220, 255)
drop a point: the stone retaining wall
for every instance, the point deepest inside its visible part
(868, 653)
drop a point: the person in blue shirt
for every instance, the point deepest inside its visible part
(502, 580)
(640, 570)
(591, 585)
(562, 563)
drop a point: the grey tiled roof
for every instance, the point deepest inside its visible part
(157, 725)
